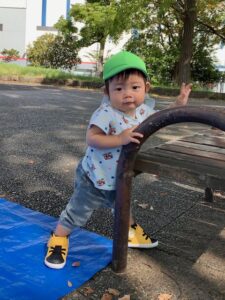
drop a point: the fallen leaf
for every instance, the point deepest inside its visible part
(76, 264)
(164, 297)
(69, 283)
(113, 292)
(106, 296)
(143, 205)
(163, 194)
(31, 162)
(87, 291)
(125, 297)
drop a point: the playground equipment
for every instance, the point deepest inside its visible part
(125, 169)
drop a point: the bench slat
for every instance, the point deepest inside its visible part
(195, 160)
(205, 148)
(205, 140)
(190, 151)
(200, 164)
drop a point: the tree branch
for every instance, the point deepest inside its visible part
(213, 30)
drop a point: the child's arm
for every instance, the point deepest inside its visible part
(182, 99)
(98, 139)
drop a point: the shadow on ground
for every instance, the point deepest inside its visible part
(42, 139)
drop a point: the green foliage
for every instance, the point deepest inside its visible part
(38, 53)
(99, 23)
(203, 69)
(98, 20)
(203, 61)
(54, 51)
(161, 32)
(40, 72)
(103, 2)
(10, 54)
(63, 53)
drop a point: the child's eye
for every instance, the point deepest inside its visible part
(118, 89)
(135, 87)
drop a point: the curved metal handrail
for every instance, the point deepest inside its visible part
(196, 114)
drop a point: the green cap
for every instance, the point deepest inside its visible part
(122, 61)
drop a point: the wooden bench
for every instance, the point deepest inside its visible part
(197, 160)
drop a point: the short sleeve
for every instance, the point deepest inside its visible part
(144, 111)
(102, 118)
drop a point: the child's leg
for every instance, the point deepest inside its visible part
(61, 231)
(84, 200)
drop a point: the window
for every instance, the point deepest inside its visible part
(46, 28)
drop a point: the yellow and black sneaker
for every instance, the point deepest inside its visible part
(57, 251)
(137, 238)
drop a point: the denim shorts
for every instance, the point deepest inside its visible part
(86, 197)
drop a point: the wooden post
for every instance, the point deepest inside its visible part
(209, 194)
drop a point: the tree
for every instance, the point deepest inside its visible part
(56, 51)
(177, 24)
(189, 19)
(37, 53)
(168, 29)
(98, 19)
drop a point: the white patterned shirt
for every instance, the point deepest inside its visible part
(100, 164)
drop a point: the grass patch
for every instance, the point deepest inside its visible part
(52, 75)
(16, 70)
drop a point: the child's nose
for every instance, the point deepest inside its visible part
(127, 93)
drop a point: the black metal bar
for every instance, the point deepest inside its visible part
(204, 115)
(209, 194)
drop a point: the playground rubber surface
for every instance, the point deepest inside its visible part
(42, 139)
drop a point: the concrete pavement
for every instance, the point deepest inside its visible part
(42, 138)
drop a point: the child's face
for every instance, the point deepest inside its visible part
(127, 94)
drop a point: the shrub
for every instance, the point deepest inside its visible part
(10, 54)
(53, 51)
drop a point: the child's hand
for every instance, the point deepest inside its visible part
(185, 90)
(128, 135)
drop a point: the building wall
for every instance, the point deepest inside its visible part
(23, 21)
(220, 57)
(13, 3)
(42, 16)
(12, 33)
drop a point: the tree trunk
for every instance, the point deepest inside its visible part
(100, 58)
(184, 65)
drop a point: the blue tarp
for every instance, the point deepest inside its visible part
(23, 237)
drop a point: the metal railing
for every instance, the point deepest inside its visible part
(125, 173)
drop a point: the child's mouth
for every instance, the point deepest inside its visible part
(128, 102)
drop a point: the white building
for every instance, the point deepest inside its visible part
(23, 21)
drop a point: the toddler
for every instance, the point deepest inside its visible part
(111, 126)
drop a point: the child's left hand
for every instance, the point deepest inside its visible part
(185, 90)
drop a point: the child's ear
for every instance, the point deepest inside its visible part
(147, 86)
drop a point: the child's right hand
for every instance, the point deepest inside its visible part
(128, 135)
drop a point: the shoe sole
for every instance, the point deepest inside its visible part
(54, 266)
(149, 246)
